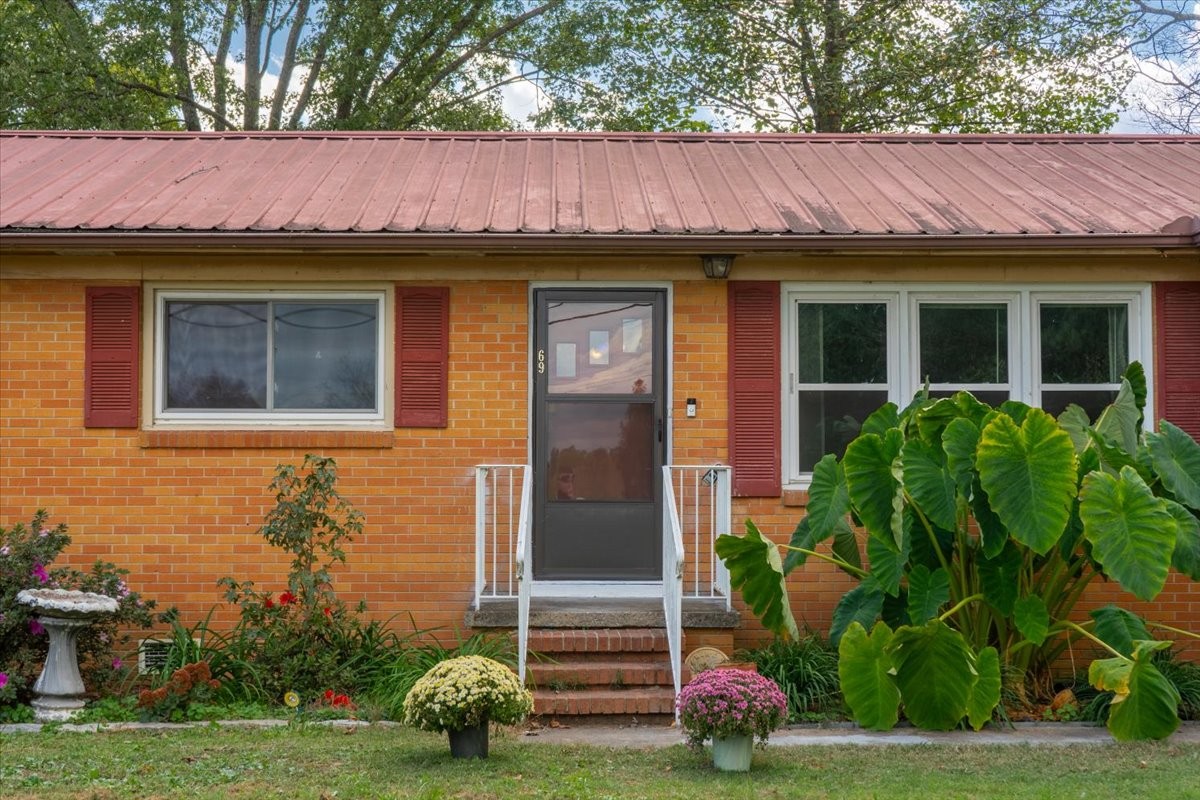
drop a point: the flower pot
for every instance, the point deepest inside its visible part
(470, 742)
(732, 753)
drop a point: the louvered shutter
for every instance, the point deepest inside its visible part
(110, 382)
(1177, 350)
(754, 388)
(422, 356)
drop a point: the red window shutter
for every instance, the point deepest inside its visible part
(110, 382)
(1177, 353)
(422, 356)
(754, 388)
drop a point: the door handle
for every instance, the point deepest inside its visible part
(660, 429)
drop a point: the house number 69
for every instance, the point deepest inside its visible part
(541, 362)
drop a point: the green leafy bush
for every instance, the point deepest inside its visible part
(27, 554)
(807, 673)
(983, 528)
(304, 638)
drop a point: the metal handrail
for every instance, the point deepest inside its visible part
(673, 555)
(524, 564)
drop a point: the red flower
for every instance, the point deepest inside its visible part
(286, 598)
(269, 603)
(328, 613)
(329, 695)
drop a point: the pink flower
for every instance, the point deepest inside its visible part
(39, 572)
(117, 664)
(3, 679)
(44, 532)
(36, 628)
(4, 550)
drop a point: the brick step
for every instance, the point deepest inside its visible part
(606, 673)
(552, 641)
(592, 702)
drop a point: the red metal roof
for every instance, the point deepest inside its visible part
(736, 187)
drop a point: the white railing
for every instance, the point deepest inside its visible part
(701, 495)
(499, 517)
(524, 555)
(672, 564)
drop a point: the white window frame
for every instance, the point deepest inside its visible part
(903, 299)
(308, 419)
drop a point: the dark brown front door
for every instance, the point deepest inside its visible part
(598, 434)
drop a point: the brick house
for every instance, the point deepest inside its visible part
(504, 338)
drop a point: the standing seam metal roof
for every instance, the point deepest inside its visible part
(583, 185)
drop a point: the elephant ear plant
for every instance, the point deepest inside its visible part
(983, 528)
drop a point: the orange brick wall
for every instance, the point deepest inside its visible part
(180, 510)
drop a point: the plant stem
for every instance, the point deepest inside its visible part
(1189, 634)
(1094, 638)
(954, 610)
(837, 562)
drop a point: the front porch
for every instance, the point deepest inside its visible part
(606, 648)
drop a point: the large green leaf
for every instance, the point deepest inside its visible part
(887, 565)
(1031, 618)
(959, 441)
(802, 539)
(993, 536)
(881, 420)
(1176, 457)
(872, 465)
(985, 693)
(1186, 555)
(1119, 421)
(864, 668)
(1000, 578)
(1119, 628)
(929, 482)
(1131, 531)
(1135, 374)
(1074, 420)
(828, 498)
(757, 570)
(862, 604)
(1029, 476)
(934, 418)
(935, 673)
(845, 545)
(927, 592)
(1145, 703)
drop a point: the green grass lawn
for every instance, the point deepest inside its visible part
(323, 764)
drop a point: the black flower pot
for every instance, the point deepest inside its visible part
(470, 742)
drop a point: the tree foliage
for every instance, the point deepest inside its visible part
(867, 65)
(1164, 38)
(285, 64)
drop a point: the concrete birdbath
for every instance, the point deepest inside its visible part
(64, 614)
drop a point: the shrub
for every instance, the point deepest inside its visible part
(721, 703)
(806, 671)
(983, 528)
(304, 638)
(465, 692)
(172, 701)
(27, 554)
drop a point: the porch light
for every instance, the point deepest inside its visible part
(717, 266)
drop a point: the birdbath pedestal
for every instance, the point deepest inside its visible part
(64, 614)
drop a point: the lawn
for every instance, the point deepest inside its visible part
(322, 764)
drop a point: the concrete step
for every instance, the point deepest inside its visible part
(642, 700)
(554, 641)
(608, 673)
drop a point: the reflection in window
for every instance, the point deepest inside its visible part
(601, 451)
(1084, 351)
(295, 355)
(600, 347)
(964, 343)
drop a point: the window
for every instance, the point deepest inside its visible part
(849, 352)
(269, 357)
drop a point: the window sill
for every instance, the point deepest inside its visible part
(267, 439)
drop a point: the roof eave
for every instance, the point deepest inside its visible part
(142, 240)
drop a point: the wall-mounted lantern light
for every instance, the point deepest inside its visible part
(717, 266)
